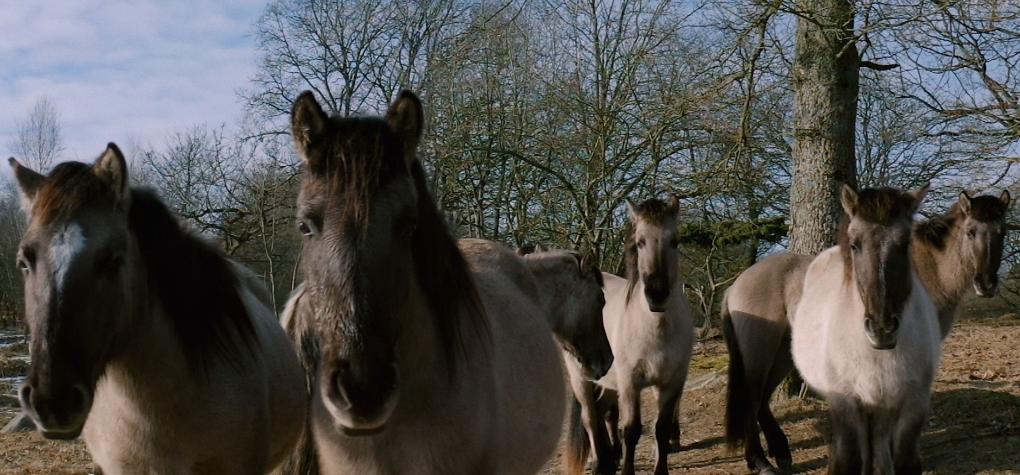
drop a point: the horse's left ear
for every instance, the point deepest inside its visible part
(848, 198)
(112, 168)
(29, 182)
(407, 118)
(1005, 198)
(674, 206)
(918, 197)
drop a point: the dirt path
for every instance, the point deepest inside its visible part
(975, 427)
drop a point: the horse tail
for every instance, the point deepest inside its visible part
(575, 457)
(736, 387)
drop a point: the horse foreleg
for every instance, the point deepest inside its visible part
(608, 406)
(593, 419)
(779, 444)
(906, 444)
(630, 424)
(848, 427)
(666, 419)
(881, 425)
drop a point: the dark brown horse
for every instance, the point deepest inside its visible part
(146, 339)
(418, 359)
(951, 253)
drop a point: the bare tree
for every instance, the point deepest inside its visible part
(38, 141)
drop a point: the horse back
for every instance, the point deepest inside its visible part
(525, 360)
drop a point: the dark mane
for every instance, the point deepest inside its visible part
(369, 156)
(66, 189)
(877, 205)
(935, 231)
(654, 211)
(195, 284)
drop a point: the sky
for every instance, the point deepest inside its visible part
(128, 72)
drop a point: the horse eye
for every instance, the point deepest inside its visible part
(304, 229)
(675, 242)
(640, 243)
(22, 265)
(855, 246)
(971, 233)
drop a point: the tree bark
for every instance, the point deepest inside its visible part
(825, 79)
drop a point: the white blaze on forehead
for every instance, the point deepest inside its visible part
(64, 248)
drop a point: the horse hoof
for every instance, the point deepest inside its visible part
(785, 466)
(769, 471)
(674, 446)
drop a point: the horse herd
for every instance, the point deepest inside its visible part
(406, 351)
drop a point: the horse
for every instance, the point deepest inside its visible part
(146, 340)
(865, 335)
(572, 287)
(415, 360)
(569, 285)
(952, 253)
(650, 329)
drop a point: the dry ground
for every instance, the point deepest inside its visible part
(975, 427)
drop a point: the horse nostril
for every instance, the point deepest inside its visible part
(869, 324)
(894, 324)
(79, 398)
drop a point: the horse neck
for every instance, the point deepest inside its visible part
(151, 361)
(548, 286)
(946, 274)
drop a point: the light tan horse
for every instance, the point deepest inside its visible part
(417, 360)
(865, 335)
(650, 329)
(145, 339)
(952, 253)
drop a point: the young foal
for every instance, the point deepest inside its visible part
(951, 253)
(866, 336)
(416, 362)
(648, 321)
(145, 338)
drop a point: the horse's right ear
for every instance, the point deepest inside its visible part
(631, 211)
(29, 182)
(918, 197)
(406, 117)
(965, 203)
(307, 125)
(112, 168)
(1005, 198)
(848, 198)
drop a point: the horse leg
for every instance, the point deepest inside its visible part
(882, 423)
(666, 419)
(630, 424)
(779, 445)
(754, 454)
(674, 431)
(598, 437)
(848, 427)
(609, 408)
(906, 444)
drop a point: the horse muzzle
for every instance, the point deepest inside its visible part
(882, 336)
(658, 299)
(58, 415)
(360, 404)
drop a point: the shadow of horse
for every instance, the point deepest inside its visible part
(972, 430)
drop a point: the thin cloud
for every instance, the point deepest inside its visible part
(125, 70)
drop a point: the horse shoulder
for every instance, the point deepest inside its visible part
(814, 317)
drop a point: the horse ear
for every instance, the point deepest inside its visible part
(112, 168)
(407, 118)
(674, 206)
(1005, 198)
(848, 198)
(539, 247)
(918, 197)
(965, 203)
(307, 125)
(631, 211)
(29, 182)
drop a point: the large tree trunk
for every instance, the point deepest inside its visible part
(825, 78)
